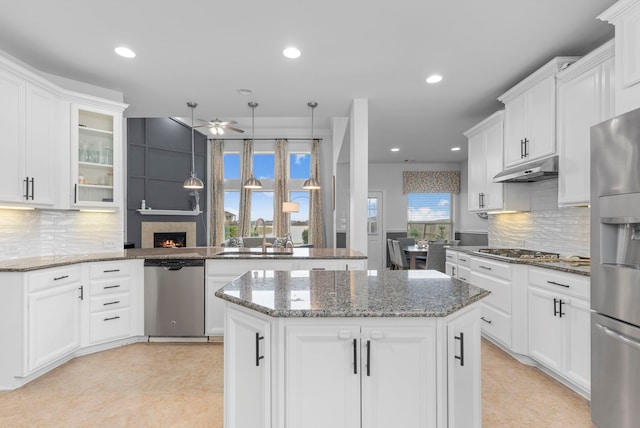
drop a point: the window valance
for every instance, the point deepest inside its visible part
(431, 182)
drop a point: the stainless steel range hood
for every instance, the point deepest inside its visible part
(538, 170)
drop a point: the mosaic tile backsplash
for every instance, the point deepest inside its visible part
(49, 232)
(546, 227)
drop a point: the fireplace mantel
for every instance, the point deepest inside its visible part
(169, 212)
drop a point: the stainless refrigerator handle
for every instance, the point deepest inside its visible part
(619, 336)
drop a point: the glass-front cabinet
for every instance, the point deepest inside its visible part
(97, 153)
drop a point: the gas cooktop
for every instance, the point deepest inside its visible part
(519, 253)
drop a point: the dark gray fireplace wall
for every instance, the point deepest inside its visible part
(158, 162)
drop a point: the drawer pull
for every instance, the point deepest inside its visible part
(557, 283)
(462, 278)
(111, 286)
(112, 318)
(58, 278)
(115, 302)
(111, 270)
(461, 259)
(486, 320)
(484, 267)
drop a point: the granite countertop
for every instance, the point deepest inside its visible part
(417, 293)
(44, 262)
(563, 266)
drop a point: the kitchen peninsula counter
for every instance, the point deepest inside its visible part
(377, 348)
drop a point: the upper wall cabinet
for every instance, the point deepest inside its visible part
(485, 161)
(530, 115)
(96, 156)
(625, 15)
(30, 139)
(585, 98)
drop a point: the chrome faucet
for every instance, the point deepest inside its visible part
(264, 233)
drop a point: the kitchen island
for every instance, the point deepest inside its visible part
(350, 349)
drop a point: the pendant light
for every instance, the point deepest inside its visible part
(311, 183)
(193, 182)
(252, 182)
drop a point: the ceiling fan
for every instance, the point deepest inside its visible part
(218, 126)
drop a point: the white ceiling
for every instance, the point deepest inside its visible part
(204, 50)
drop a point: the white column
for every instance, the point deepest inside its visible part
(339, 127)
(359, 175)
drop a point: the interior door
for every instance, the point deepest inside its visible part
(375, 230)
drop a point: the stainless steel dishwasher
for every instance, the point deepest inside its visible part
(174, 297)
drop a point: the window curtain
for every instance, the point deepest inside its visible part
(244, 216)
(281, 191)
(217, 218)
(431, 182)
(316, 226)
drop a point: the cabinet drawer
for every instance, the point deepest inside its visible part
(110, 325)
(490, 267)
(496, 324)
(464, 273)
(566, 283)
(452, 256)
(110, 286)
(464, 259)
(100, 270)
(53, 277)
(500, 296)
(110, 302)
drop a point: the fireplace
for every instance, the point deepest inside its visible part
(169, 239)
(154, 234)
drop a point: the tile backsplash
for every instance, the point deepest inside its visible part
(546, 227)
(49, 232)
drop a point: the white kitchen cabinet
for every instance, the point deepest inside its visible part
(585, 98)
(559, 324)
(52, 321)
(247, 383)
(463, 371)
(485, 161)
(625, 15)
(530, 115)
(367, 376)
(96, 156)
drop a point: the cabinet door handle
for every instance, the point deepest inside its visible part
(26, 188)
(368, 358)
(486, 320)
(526, 147)
(81, 288)
(355, 356)
(115, 302)
(58, 278)
(461, 356)
(111, 286)
(453, 271)
(484, 267)
(555, 307)
(117, 317)
(111, 270)
(557, 283)
(75, 193)
(521, 149)
(560, 303)
(33, 183)
(258, 356)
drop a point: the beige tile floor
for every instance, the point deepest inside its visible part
(180, 385)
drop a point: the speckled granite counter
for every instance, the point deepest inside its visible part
(44, 262)
(416, 293)
(558, 265)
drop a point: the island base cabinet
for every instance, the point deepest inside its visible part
(463, 371)
(353, 376)
(247, 374)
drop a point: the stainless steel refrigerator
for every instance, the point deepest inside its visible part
(615, 272)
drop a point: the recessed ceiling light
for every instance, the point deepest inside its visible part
(125, 52)
(455, 149)
(434, 78)
(395, 149)
(291, 52)
(244, 91)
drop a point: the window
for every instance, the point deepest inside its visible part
(429, 215)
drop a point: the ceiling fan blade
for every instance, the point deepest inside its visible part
(231, 128)
(228, 122)
(204, 121)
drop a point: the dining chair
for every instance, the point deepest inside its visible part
(404, 243)
(392, 255)
(436, 257)
(398, 251)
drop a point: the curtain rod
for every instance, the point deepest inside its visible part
(264, 139)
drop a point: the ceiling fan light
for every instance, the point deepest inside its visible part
(311, 184)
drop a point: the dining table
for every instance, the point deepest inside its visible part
(414, 251)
